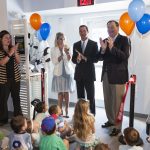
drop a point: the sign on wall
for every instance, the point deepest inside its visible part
(85, 2)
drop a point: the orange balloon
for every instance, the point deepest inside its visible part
(126, 24)
(35, 21)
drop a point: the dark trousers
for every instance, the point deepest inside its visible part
(88, 86)
(12, 87)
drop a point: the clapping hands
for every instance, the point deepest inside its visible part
(81, 56)
(108, 42)
(103, 44)
(13, 50)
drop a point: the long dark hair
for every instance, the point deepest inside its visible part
(2, 33)
(39, 107)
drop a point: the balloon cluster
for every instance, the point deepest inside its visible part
(43, 30)
(39, 50)
(135, 16)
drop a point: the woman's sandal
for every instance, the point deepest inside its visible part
(66, 116)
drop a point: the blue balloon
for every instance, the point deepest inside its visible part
(136, 10)
(143, 25)
(38, 34)
(45, 30)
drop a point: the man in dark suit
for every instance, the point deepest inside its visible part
(114, 53)
(84, 56)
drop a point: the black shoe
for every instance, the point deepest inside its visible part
(107, 124)
(115, 132)
(66, 116)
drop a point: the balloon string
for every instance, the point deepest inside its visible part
(135, 52)
(134, 59)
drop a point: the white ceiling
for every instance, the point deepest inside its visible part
(117, 5)
(41, 5)
(63, 7)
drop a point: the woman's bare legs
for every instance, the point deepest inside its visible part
(66, 97)
(60, 100)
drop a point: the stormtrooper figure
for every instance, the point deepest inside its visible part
(39, 53)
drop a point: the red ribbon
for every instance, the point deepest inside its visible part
(132, 80)
(42, 86)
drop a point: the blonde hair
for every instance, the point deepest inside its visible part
(82, 120)
(58, 35)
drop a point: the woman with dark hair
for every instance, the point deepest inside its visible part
(9, 76)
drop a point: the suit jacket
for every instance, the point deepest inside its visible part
(85, 70)
(115, 61)
(58, 66)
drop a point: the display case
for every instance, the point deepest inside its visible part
(30, 81)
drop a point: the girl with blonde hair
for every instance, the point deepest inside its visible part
(83, 124)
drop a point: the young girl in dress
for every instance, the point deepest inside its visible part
(41, 109)
(83, 124)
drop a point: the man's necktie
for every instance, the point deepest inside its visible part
(83, 46)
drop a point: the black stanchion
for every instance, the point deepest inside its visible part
(42, 85)
(131, 111)
(132, 102)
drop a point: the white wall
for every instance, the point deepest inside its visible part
(139, 64)
(3, 15)
(14, 9)
(140, 46)
(69, 25)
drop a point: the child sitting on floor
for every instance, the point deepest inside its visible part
(101, 146)
(62, 126)
(19, 138)
(50, 141)
(131, 137)
(41, 109)
(83, 124)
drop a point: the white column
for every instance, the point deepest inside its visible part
(3, 15)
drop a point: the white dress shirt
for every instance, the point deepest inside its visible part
(85, 44)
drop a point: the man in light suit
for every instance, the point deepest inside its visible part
(84, 56)
(114, 53)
